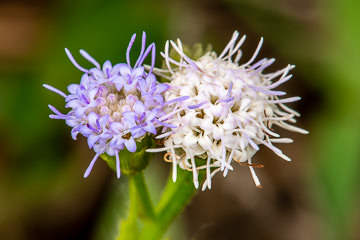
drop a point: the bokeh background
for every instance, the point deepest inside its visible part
(42, 192)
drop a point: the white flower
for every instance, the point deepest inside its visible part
(229, 113)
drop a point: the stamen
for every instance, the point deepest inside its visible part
(118, 172)
(291, 127)
(166, 56)
(179, 99)
(129, 48)
(266, 129)
(269, 92)
(284, 100)
(211, 176)
(231, 43)
(58, 115)
(254, 176)
(89, 58)
(88, 170)
(229, 161)
(255, 53)
(195, 176)
(72, 59)
(208, 178)
(255, 65)
(55, 90)
(233, 51)
(256, 147)
(284, 118)
(152, 150)
(181, 49)
(152, 49)
(263, 66)
(164, 135)
(187, 59)
(279, 82)
(174, 163)
(143, 42)
(238, 56)
(281, 140)
(197, 105)
(286, 108)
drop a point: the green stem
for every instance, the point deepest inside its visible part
(139, 205)
(146, 210)
(128, 227)
(173, 201)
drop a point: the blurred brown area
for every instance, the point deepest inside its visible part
(24, 28)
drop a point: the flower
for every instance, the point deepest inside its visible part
(114, 105)
(229, 113)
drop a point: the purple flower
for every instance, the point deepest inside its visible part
(114, 106)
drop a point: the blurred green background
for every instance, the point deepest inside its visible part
(42, 192)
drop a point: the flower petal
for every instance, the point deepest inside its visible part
(124, 70)
(150, 128)
(139, 107)
(130, 145)
(92, 118)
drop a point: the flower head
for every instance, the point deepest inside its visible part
(114, 106)
(229, 113)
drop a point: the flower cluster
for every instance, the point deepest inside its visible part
(213, 111)
(230, 110)
(114, 105)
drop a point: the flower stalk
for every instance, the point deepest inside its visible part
(146, 222)
(140, 207)
(175, 197)
(146, 211)
(128, 228)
